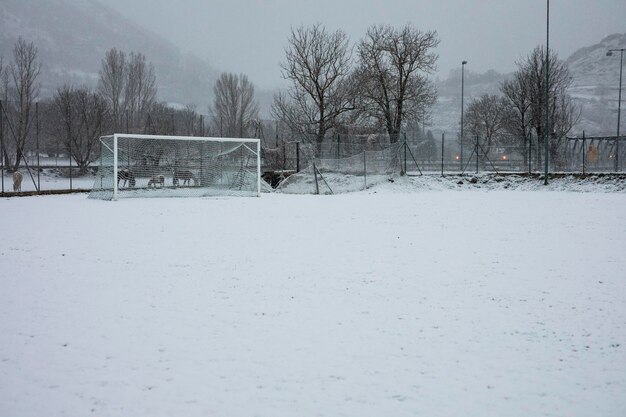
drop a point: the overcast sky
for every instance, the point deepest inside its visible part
(249, 36)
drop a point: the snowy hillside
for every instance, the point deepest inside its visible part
(593, 70)
(447, 111)
(72, 37)
(595, 84)
(595, 80)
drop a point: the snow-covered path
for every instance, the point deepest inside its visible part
(370, 304)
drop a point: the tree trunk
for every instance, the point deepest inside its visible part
(18, 158)
(394, 136)
(525, 152)
(319, 139)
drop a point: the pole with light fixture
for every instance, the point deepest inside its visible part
(546, 133)
(619, 103)
(462, 108)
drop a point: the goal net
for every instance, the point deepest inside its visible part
(176, 166)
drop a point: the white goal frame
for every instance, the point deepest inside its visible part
(255, 149)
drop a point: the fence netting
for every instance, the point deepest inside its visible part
(363, 166)
(51, 156)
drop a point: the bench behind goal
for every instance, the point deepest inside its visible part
(177, 166)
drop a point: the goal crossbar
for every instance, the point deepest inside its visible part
(189, 138)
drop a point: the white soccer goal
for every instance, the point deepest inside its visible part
(177, 166)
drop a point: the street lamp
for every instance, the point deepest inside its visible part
(546, 130)
(619, 102)
(462, 108)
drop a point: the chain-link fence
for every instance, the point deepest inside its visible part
(516, 155)
(57, 148)
(53, 154)
(352, 162)
(354, 170)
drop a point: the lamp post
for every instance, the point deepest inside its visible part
(462, 108)
(619, 102)
(546, 133)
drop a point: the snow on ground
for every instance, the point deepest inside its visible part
(388, 302)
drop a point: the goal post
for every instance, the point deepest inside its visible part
(133, 165)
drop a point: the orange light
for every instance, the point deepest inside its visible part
(457, 157)
(504, 157)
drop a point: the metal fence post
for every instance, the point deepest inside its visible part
(405, 145)
(476, 153)
(37, 139)
(284, 156)
(70, 164)
(338, 144)
(365, 169)
(584, 151)
(2, 142)
(443, 140)
(530, 153)
(317, 187)
(297, 156)
(115, 167)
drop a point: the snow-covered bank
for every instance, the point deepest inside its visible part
(379, 303)
(340, 183)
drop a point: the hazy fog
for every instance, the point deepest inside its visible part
(249, 35)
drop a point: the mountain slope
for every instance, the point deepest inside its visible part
(447, 110)
(72, 37)
(595, 82)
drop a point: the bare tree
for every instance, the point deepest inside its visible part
(83, 116)
(487, 117)
(392, 74)
(141, 90)
(191, 121)
(22, 91)
(234, 107)
(317, 64)
(4, 80)
(4, 91)
(112, 82)
(526, 96)
(160, 121)
(518, 123)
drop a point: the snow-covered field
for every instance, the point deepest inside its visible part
(387, 302)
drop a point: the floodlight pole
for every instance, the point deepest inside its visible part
(619, 103)
(462, 107)
(546, 133)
